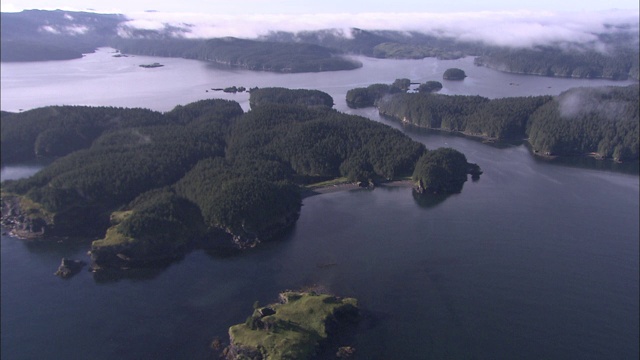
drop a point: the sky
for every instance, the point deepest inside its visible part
(326, 6)
(522, 23)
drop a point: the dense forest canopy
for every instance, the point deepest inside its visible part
(602, 121)
(620, 63)
(53, 35)
(430, 86)
(157, 181)
(454, 74)
(367, 97)
(285, 96)
(441, 171)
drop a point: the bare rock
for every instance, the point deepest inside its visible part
(69, 267)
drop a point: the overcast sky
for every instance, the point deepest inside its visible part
(324, 6)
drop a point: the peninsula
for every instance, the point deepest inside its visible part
(154, 185)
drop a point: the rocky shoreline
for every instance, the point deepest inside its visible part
(301, 325)
(27, 224)
(31, 222)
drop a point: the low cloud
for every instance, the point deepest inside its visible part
(66, 30)
(511, 28)
(49, 29)
(583, 101)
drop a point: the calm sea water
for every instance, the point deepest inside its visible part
(533, 261)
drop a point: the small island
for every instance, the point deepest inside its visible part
(295, 328)
(149, 66)
(443, 171)
(454, 74)
(430, 86)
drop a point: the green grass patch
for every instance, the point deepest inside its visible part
(119, 216)
(295, 330)
(112, 238)
(332, 182)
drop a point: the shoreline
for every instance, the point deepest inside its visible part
(307, 192)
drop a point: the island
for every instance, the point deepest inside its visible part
(370, 96)
(430, 86)
(152, 186)
(258, 55)
(454, 74)
(601, 122)
(150, 66)
(442, 171)
(298, 327)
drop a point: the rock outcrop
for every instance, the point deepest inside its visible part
(299, 327)
(69, 267)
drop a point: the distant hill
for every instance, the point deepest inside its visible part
(37, 35)
(34, 35)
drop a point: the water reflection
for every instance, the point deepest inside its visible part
(110, 276)
(590, 163)
(428, 201)
(57, 247)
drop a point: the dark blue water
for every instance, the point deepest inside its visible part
(533, 261)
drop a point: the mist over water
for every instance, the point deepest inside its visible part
(532, 261)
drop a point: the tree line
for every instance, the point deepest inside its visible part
(602, 121)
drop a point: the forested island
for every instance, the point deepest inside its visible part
(602, 122)
(243, 53)
(36, 35)
(454, 74)
(370, 95)
(154, 185)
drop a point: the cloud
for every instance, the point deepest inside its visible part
(49, 29)
(595, 101)
(507, 28)
(76, 29)
(67, 30)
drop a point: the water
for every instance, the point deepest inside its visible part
(101, 79)
(533, 261)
